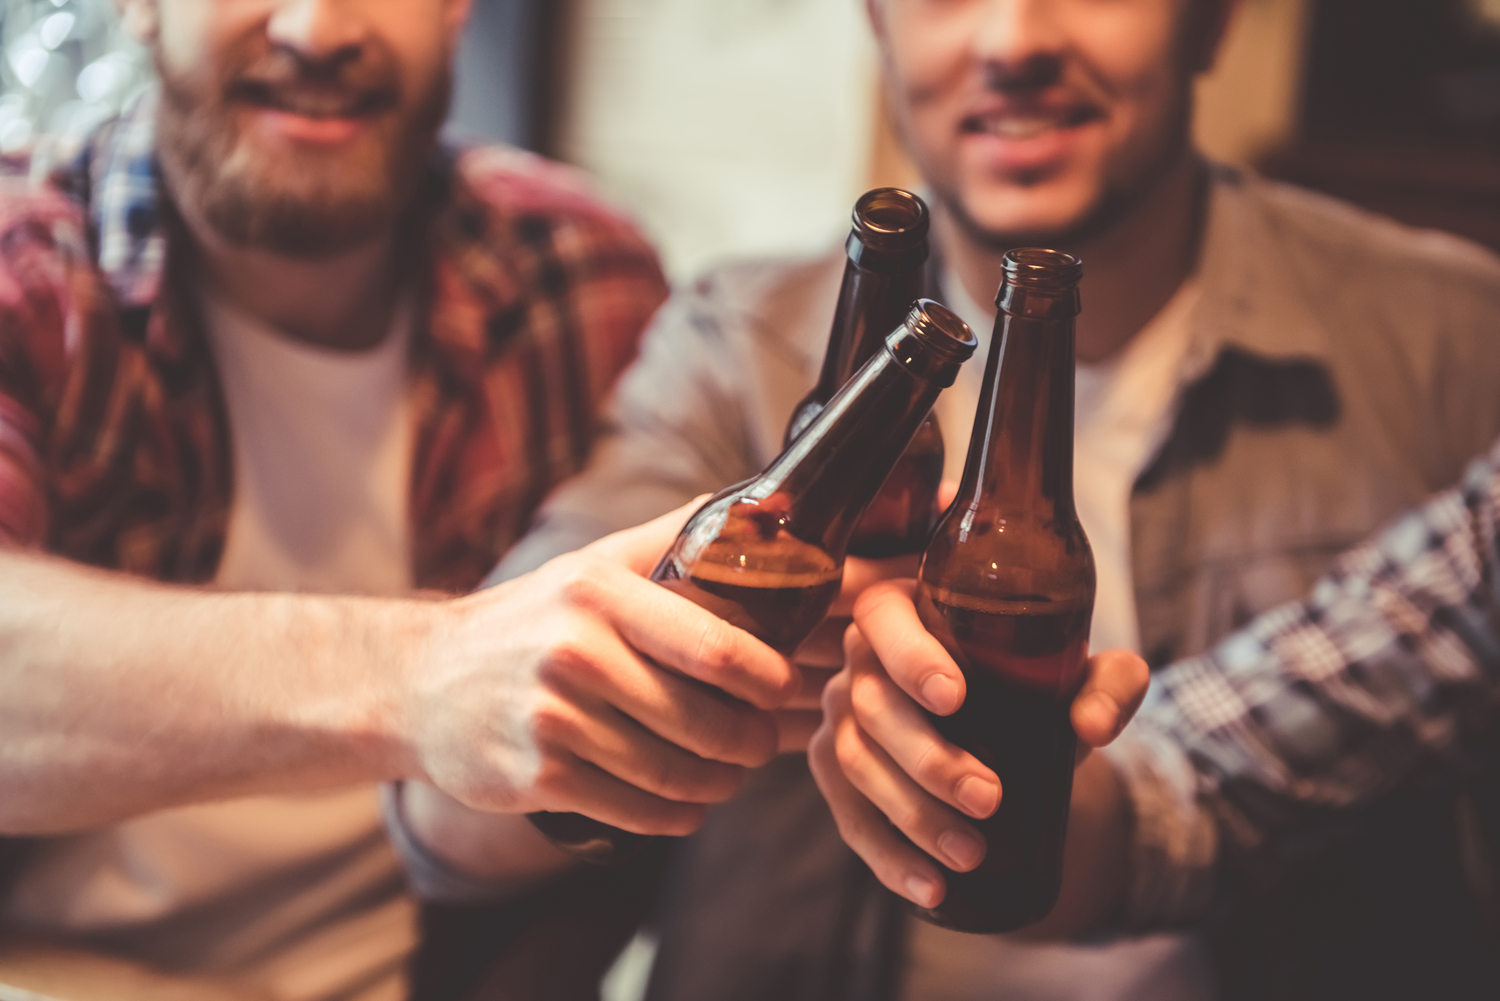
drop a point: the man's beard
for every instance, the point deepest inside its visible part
(300, 205)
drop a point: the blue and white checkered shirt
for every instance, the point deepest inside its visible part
(1381, 674)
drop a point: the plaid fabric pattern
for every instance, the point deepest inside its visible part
(1386, 670)
(114, 446)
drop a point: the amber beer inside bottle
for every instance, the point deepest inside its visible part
(883, 275)
(768, 554)
(1007, 586)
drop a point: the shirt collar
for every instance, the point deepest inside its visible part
(1255, 294)
(119, 171)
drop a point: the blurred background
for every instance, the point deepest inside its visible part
(732, 127)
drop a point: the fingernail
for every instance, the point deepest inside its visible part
(940, 693)
(977, 796)
(921, 890)
(964, 850)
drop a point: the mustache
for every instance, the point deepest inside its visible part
(348, 83)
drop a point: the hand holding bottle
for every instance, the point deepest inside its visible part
(767, 555)
(1006, 590)
(878, 756)
(821, 655)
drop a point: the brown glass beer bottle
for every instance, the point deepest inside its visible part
(768, 554)
(1007, 586)
(887, 248)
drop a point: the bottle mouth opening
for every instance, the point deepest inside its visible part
(1038, 267)
(890, 219)
(942, 329)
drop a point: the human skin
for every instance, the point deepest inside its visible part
(302, 137)
(879, 762)
(1061, 123)
(567, 689)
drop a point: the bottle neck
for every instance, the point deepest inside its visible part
(871, 304)
(1021, 452)
(832, 471)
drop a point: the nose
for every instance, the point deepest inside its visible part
(318, 31)
(1020, 44)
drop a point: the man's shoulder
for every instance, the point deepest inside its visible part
(536, 194)
(1366, 246)
(771, 289)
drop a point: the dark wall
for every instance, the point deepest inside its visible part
(1400, 113)
(1415, 71)
(504, 81)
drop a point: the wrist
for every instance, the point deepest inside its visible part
(370, 653)
(406, 638)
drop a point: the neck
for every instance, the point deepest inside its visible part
(342, 301)
(1130, 270)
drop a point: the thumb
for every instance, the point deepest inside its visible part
(639, 549)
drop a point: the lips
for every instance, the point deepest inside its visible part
(1027, 140)
(1028, 122)
(313, 101)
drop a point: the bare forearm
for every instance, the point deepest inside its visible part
(119, 696)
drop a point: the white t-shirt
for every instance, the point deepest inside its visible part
(299, 898)
(1124, 409)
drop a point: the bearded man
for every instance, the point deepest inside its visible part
(265, 334)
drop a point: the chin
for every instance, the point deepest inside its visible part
(1017, 216)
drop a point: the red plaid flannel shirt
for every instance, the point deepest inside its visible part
(114, 446)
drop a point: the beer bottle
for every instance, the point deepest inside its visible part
(1007, 586)
(767, 554)
(887, 248)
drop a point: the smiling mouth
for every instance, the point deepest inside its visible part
(312, 102)
(1028, 124)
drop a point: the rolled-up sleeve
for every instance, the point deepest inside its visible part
(1318, 706)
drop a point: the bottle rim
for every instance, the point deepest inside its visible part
(1039, 267)
(890, 219)
(941, 329)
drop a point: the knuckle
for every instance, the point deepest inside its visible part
(849, 750)
(562, 659)
(836, 694)
(867, 697)
(553, 725)
(581, 582)
(911, 818)
(672, 819)
(931, 769)
(551, 779)
(571, 660)
(708, 736)
(715, 651)
(662, 779)
(679, 781)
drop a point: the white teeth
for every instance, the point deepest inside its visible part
(315, 107)
(1013, 127)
